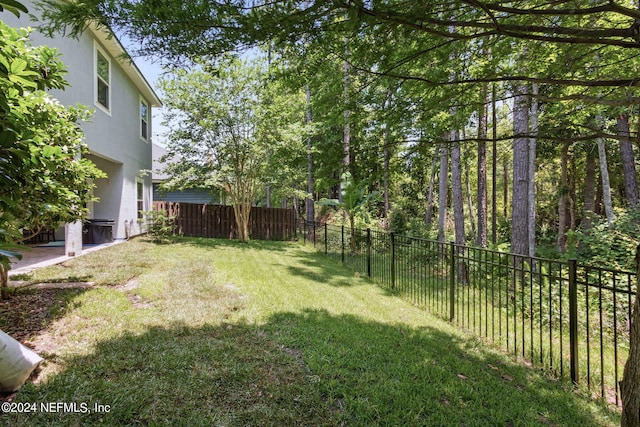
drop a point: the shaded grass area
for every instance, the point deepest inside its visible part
(29, 312)
(214, 332)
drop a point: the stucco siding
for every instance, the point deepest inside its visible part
(113, 136)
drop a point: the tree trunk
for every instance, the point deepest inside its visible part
(241, 194)
(346, 137)
(589, 189)
(467, 185)
(385, 139)
(481, 238)
(562, 199)
(4, 282)
(434, 165)
(386, 174)
(458, 203)
(442, 192)
(242, 221)
(494, 168)
(630, 384)
(243, 224)
(573, 214)
(309, 202)
(352, 226)
(469, 199)
(456, 185)
(606, 185)
(531, 195)
(599, 198)
(505, 187)
(628, 161)
(519, 199)
(268, 189)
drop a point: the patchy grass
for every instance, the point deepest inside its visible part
(212, 332)
(105, 267)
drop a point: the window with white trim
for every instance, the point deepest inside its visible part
(144, 119)
(103, 79)
(140, 198)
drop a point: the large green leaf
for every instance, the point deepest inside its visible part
(13, 7)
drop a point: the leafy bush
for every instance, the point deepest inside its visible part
(398, 221)
(160, 226)
(614, 245)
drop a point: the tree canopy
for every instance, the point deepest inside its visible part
(227, 122)
(399, 90)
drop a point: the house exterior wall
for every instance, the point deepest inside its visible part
(114, 135)
(189, 195)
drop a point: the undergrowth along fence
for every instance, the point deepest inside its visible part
(570, 319)
(218, 221)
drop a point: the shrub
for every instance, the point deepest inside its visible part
(612, 245)
(160, 226)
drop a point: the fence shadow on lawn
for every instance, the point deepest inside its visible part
(309, 368)
(324, 270)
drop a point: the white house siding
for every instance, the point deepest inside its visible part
(113, 137)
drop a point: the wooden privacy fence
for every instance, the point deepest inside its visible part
(218, 221)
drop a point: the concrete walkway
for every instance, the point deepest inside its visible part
(38, 256)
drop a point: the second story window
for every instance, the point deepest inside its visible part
(144, 120)
(103, 80)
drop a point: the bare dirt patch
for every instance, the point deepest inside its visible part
(139, 302)
(130, 285)
(26, 314)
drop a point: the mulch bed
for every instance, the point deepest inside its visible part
(27, 313)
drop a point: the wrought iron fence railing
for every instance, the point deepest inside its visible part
(568, 318)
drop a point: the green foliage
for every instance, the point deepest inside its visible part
(399, 221)
(612, 246)
(355, 199)
(13, 7)
(355, 203)
(159, 225)
(231, 129)
(44, 179)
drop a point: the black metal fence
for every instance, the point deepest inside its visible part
(570, 319)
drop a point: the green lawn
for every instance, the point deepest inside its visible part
(213, 332)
